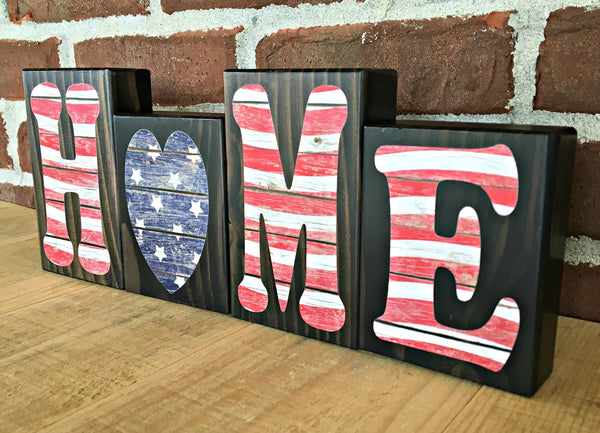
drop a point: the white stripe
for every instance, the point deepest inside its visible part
(314, 223)
(276, 182)
(434, 250)
(333, 97)
(91, 224)
(321, 262)
(46, 90)
(58, 243)
(80, 161)
(473, 162)
(321, 143)
(313, 298)
(96, 254)
(383, 330)
(414, 205)
(506, 309)
(310, 298)
(81, 94)
(84, 192)
(86, 130)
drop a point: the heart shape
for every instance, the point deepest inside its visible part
(167, 200)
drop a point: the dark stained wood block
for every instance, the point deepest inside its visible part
(462, 245)
(294, 142)
(69, 121)
(171, 175)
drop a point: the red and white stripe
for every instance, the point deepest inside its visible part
(413, 174)
(79, 175)
(311, 201)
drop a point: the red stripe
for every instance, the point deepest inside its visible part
(428, 188)
(251, 300)
(290, 204)
(316, 122)
(327, 319)
(409, 233)
(83, 146)
(307, 164)
(79, 87)
(58, 257)
(450, 352)
(84, 113)
(46, 107)
(425, 268)
(481, 179)
(417, 312)
(424, 221)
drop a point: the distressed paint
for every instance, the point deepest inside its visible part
(416, 251)
(310, 200)
(79, 175)
(167, 200)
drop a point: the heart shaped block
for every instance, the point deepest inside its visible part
(168, 200)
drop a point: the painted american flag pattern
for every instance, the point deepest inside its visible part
(310, 201)
(167, 199)
(416, 251)
(79, 175)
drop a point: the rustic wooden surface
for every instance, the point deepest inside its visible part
(76, 356)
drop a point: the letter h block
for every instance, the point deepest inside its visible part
(464, 229)
(293, 146)
(69, 122)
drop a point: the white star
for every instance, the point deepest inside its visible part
(196, 257)
(174, 179)
(160, 253)
(140, 223)
(195, 157)
(139, 237)
(137, 176)
(179, 281)
(196, 209)
(157, 202)
(178, 229)
(154, 155)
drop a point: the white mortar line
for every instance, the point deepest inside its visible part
(582, 250)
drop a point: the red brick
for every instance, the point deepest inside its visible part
(568, 68)
(580, 295)
(170, 6)
(186, 68)
(5, 159)
(22, 195)
(584, 211)
(42, 11)
(24, 152)
(449, 65)
(18, 55)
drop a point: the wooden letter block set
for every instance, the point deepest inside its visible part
(307, 208)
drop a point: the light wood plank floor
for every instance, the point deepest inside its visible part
(78, 357)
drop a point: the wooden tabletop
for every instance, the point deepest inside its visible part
(79, 357)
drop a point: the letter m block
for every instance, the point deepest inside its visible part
(294, 141)
(69, 121)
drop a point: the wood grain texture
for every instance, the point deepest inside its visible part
(291, 178)
(73, 165)
(77, 357)
(172, 193)
(457, 302)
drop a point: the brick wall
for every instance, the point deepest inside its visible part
(507, 61)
